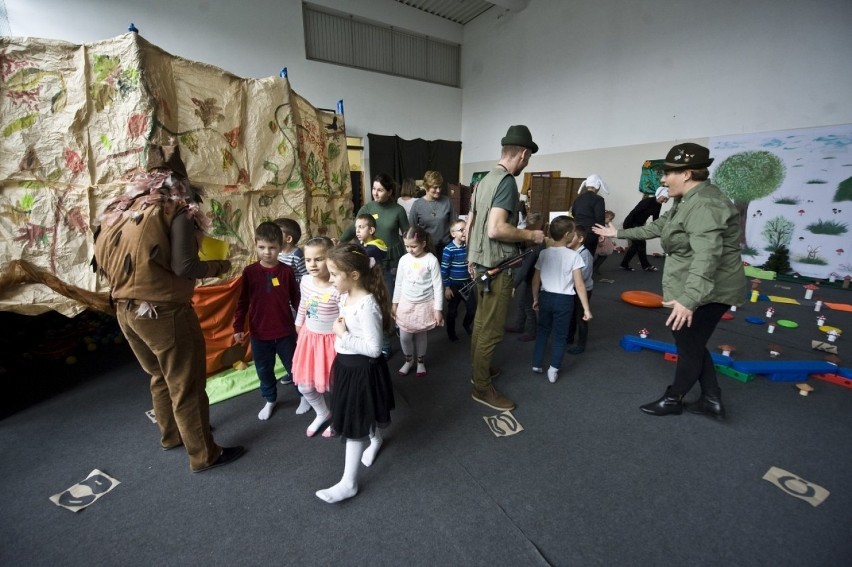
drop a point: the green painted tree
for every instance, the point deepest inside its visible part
(748, 176)
(844, 191)
(778, 232)
(779, 261)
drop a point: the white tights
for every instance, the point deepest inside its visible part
(412, 341)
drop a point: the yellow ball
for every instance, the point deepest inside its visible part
(71, 360)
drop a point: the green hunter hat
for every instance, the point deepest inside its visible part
(687, 156)
(519, 136)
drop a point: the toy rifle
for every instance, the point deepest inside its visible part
(489, 275)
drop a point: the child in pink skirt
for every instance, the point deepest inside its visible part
(318, 310)
(418, 297)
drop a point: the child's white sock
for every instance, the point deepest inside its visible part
(266, 411)
(348, 485)
(421, 367)
(315, 400)
(304, 406)
(375, 444)
(406, 368)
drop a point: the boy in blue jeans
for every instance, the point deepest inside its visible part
(558, 277)
(269, 296)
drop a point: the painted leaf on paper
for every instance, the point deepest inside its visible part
(58, 102)
(105, 142)
(24, 80)
(104, 66)
(227, 160)
(189, 140)
(103, 95)
(20, 124)
(208, 111)
(233, 137)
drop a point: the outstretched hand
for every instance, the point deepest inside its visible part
(608, 231)
(678, 316)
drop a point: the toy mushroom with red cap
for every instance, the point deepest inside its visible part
(644, 333)
(770, 311)
(832, 277)
(727, 349)
(832, 335)
(804, 389)
(820, 320)
(774, 351)
(809, 290)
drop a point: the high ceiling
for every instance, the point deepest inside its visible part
(458, 11)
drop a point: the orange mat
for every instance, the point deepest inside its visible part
(839, 306)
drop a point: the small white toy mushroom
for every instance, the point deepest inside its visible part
(804, 389)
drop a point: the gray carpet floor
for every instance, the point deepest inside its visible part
(589, 481)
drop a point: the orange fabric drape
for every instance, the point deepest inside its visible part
(215, 306)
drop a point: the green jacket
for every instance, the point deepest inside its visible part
(701, 236)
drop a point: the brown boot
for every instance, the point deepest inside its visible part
(492, 398)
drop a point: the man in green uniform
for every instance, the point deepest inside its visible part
(493, 237)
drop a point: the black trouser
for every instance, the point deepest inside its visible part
(636, 247)
(453, 309)
(577, 325)
(694, 363)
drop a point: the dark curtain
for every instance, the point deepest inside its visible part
(412, 158)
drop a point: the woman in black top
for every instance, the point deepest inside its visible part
(588, 210)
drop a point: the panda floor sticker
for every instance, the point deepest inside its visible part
(85, 492)
(796, 486)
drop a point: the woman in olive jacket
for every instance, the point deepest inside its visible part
(703, 274)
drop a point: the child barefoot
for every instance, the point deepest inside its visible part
(362, 398)
(314, 355)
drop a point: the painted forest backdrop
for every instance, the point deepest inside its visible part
(793, 189)
(74, 121)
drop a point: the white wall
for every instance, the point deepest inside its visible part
(256, 38)
(586, 74)
(604, 86)
(599, 83)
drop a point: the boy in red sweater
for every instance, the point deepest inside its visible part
(269, 296)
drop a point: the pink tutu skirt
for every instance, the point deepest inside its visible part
(415, 317)
(313, 359)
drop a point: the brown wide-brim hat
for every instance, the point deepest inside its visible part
(519, 136)
(166, 157)
(687, 156)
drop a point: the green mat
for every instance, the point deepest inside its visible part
(753, 272)
(230, 383)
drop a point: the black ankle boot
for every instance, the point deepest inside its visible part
(709, 405)
(669, 404)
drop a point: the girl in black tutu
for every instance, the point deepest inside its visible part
(362, 393)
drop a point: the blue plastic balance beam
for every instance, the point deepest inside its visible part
(635, 343)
